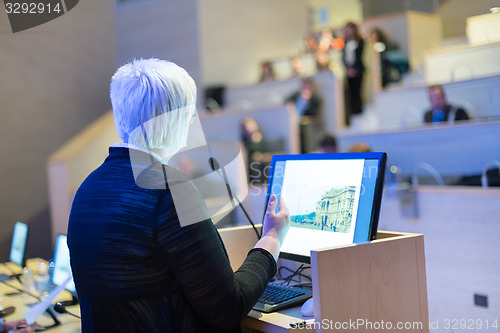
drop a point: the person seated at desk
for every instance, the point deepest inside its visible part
(267, 72)
(297, 65)
(360, 147)
(136, 269)
(18, 326)
(442, 111)
(258, 150)
(328, 145)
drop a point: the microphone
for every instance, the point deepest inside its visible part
(59, 308)
(214, 164)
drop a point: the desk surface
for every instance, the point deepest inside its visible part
(278, 321)
(22, 302)
(264, 322)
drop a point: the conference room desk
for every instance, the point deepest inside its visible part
(381, 281)
(262, 322)
(22, 302)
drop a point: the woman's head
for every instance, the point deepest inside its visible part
(351, 32)
(153, 103)
(248, 128)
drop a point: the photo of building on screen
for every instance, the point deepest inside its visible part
(333, 211)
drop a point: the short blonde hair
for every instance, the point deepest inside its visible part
(153, 103)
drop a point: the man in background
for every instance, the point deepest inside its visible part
(308, 104)
(442, 111)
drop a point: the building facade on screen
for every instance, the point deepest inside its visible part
(334, 209)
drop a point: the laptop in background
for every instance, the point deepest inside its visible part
(17, 253)
(18, 245)
(62, 268)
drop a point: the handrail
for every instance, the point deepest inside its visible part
(454, 68)
(425, 166)
(412, 111)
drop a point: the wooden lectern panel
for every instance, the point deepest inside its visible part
(370, 287)
(376, 286)
(238, 241)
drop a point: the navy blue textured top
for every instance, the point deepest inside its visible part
(137, 270)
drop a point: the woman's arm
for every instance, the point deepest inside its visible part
(197, 257)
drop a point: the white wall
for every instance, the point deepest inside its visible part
(381, 7)
(165, 29)
(339, 13)
(461, 62)
(461, 231)
(455, 12)
(237, 35)
(54, 81)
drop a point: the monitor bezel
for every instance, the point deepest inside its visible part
(377, 200)
(23, 260)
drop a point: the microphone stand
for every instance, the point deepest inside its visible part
(216, 167)
(39, 328)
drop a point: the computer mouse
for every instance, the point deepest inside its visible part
(307, 309)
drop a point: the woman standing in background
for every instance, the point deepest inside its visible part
(352, 57)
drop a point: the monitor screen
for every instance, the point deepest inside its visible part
(62, 268)
(333, 199)
(18, 246)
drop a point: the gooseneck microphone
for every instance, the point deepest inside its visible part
(214, 164)
(39, 328)
(60, 308)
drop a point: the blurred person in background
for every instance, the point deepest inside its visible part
(328, 145)
(308, 104)
(393, 63)
(266, 72)
(360, 147)
(354, 69)
(257, 149)
(440, 110)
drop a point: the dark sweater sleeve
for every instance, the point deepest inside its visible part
(196, 256)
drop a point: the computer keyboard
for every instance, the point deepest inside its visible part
(279, 296)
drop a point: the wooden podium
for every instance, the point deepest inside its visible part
(378, 286)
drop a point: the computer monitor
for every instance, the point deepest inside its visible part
(62, 268)
(333, 199)
(18, 245)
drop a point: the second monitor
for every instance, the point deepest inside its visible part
(62, 268)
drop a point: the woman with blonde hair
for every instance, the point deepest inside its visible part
(136, 267)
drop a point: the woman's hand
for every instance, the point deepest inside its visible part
(19, 326)
(275, 226)
(351, 72)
